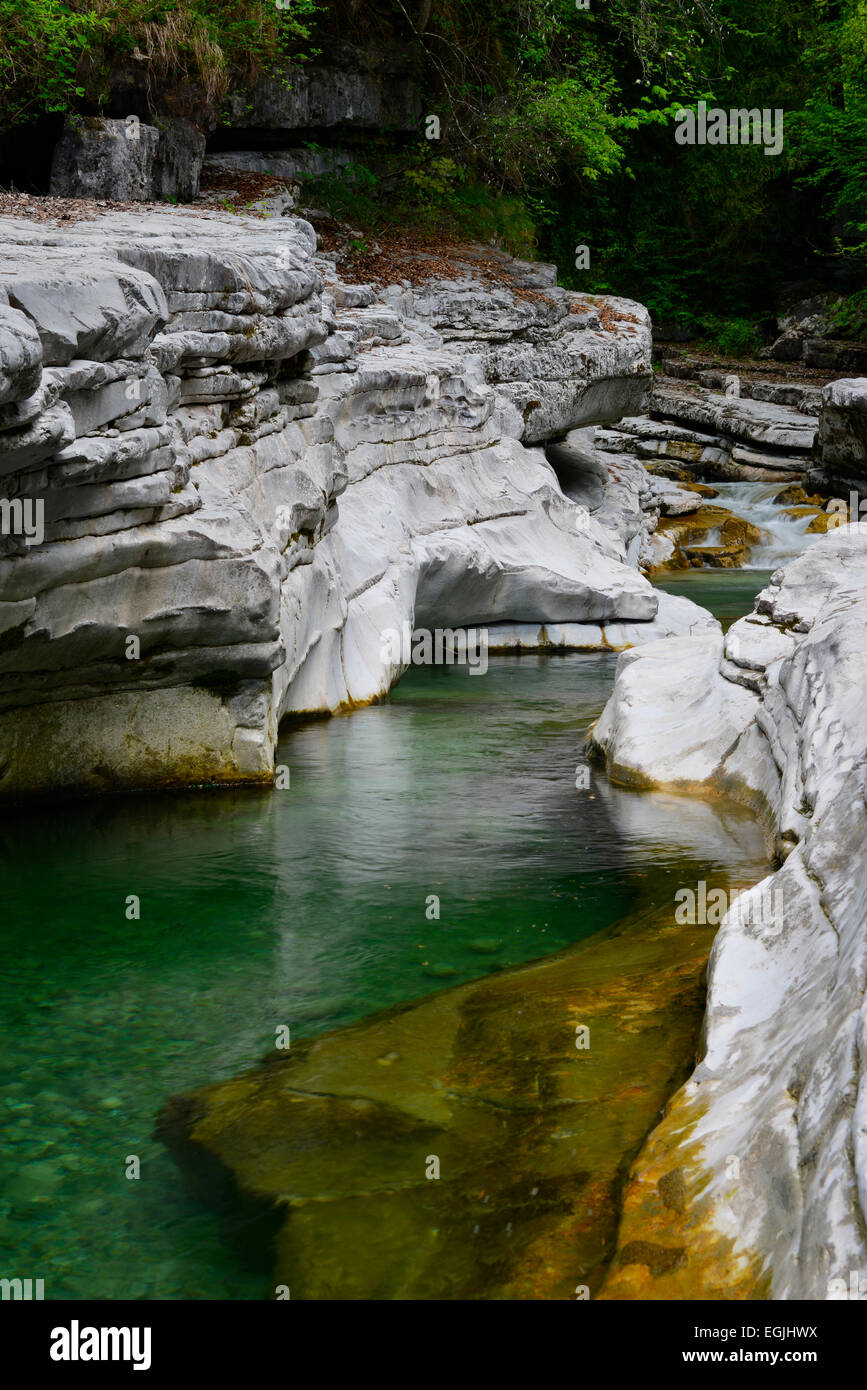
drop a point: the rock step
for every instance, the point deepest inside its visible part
(748, 421)
(836, 355)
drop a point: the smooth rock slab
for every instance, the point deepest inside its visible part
(335, 1138)
(754, 422)
(649, 739)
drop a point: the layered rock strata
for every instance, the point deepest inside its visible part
(755, 1183)
(184, 399)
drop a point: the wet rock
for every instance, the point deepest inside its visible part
(821, 523)
(736, 531)
(757, 1221)
(796, 496)
(717, 557)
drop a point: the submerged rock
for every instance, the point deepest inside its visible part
(471, 1145)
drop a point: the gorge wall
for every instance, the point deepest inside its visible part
(755, 1183)
(226, 474)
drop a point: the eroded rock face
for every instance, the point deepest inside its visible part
(248, 472)
(841, 443)
(323, 98)
(767, 1142)
(128, 160)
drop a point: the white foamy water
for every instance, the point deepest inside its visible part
(786, 535)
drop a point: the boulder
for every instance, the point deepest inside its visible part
(836, 356)
(807, 319)
(97, 157)
(841, 443)
(178, 161)
(128, 161)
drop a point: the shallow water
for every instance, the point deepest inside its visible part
(305, 908)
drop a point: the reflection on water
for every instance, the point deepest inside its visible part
(311, 907)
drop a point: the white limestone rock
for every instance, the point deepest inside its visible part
(248, 479)
(753, 422)
(779, 1085)
(20, 355)
(841, 443)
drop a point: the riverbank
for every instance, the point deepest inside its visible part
(768, 1136)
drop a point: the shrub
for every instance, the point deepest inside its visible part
(56, 54)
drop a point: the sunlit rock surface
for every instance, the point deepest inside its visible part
(250, 472)
(765, 1148)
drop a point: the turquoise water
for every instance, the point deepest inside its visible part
(729, 594)
(307, 908)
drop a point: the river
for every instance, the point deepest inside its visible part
(310, 906)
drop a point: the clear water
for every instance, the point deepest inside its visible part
(304, 907)
(728, 594)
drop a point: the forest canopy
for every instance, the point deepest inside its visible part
(556, 127)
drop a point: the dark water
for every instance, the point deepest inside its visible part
(308, 908)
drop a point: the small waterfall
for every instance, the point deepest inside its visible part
(786, 535)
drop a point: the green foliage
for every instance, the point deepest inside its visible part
(557, 127)
(831, 130)
(432, 194)
(849, 315)
(732, 337)
(41, 44)
(56, 54)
